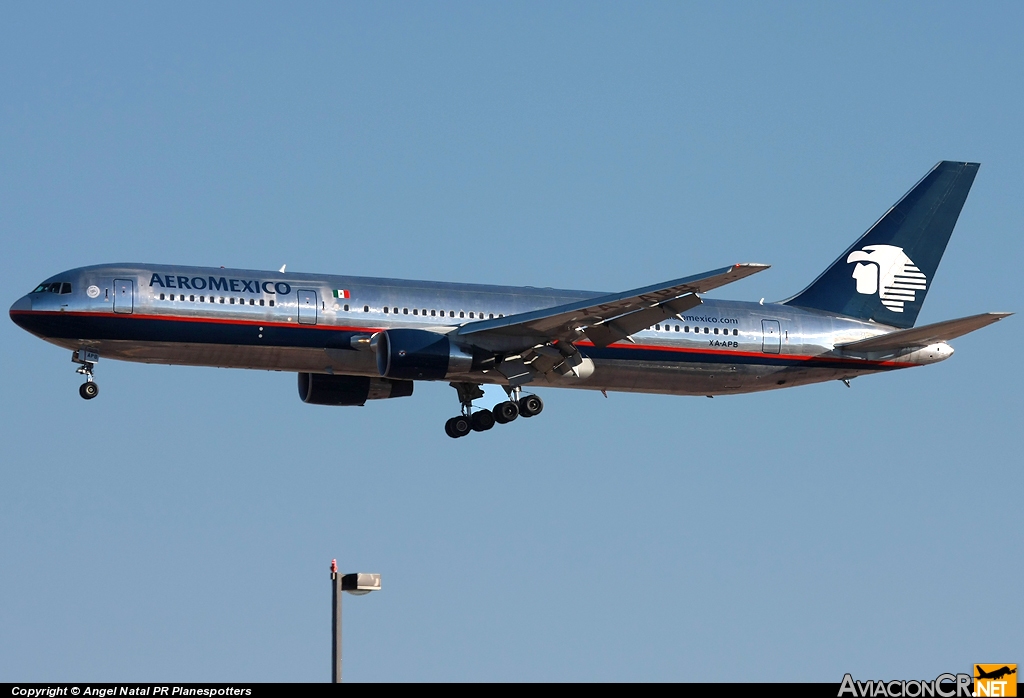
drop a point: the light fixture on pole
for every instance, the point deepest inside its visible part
(358, 583)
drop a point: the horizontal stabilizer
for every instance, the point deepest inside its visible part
(565, 321)
(923, 336)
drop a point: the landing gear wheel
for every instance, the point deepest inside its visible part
(88, 390)
(530, 405)
(482, 420)
(457, 426)
(505, 412)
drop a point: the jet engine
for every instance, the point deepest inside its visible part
(323, 389)
(419, 355)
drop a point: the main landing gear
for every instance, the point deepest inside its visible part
(482, 420)
(89, 389)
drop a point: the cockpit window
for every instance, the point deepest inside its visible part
(55, 287)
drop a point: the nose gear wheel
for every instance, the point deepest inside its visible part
(87, 360)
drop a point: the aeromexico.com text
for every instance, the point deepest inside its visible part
(220, 283)
(711, 320)
(944, 686)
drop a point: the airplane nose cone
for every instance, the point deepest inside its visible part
(21, 305)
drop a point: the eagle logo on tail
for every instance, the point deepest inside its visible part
(889, 272)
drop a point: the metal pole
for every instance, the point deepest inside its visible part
(336, 624)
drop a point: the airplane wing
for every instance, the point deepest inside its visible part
(923, 336)
(606, 319)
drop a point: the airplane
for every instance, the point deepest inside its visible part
(353, 339)
(996, 674)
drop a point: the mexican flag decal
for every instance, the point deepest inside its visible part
(342, 293)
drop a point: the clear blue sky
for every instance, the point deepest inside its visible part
(181, 526)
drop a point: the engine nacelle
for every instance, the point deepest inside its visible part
(419, 355)
(323, 389)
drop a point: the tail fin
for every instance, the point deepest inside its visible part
(897, 258)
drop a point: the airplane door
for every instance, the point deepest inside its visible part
(124, 295)
(307, 307)
(772, 343)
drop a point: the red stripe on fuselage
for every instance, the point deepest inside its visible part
(755, 354)
(208, 320)
(622, 344)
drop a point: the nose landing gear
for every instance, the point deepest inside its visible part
(482, 420)
(89, 389)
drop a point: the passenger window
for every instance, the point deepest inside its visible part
(501, 314)
(677, 328)
(424, 313)
(462, 314)
(686, 328)
(271, 303)
(471, 315)
(346, 306)
(232, 301)
(735, 333)
(707, 330)
(716, 330)
(366, 308)
(415, 311)
(490, 316)
(191, 299)
(261, 301)
(385, 309)
(405, 311)
(451, 313)
(433, 313)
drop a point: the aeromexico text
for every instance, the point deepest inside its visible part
(220, 283)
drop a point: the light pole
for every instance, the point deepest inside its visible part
(358, 584)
